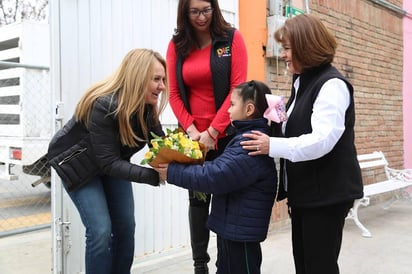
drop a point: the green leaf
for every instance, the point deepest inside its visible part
(201, 196)
(154, 135)
(145, 161)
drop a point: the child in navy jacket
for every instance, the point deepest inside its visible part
(243, 187)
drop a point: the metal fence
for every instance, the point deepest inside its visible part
(26, 122)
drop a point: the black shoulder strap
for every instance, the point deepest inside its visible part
(182, 87)
(221, 62)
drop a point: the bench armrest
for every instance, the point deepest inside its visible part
(404, 175)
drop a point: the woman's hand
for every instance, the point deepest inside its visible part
(207, 140)
(193, 133)
(258, 145)
(162, 169)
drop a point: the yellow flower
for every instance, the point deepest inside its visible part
(178, 141)
(155, 144)
(168, 143)
(197, 154)
(148, 155)
(185, 143)
(195, 145)
(175, 140)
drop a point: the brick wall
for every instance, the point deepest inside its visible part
(370, 56)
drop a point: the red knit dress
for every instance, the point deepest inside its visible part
(197, 77)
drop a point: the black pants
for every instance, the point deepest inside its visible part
(317, 238)
(238, 257)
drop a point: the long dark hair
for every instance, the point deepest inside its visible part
(185, 38)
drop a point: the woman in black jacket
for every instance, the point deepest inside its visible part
(92, 152)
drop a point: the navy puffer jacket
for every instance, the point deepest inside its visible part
(243, 187)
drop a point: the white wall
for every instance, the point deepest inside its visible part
(89, 39)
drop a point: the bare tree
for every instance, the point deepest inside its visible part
(12, 11)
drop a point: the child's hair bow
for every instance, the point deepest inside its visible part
(276, 111)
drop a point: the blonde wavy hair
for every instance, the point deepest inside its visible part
(130, 82)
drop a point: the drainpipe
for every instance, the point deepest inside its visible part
(390, 6)
(307, 6)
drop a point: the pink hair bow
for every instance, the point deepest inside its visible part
(276, 111)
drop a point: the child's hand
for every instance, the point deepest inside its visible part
(162, 169)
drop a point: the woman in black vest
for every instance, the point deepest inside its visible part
(206, 59)
(319, 174)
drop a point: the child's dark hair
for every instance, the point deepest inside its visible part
(256, 91)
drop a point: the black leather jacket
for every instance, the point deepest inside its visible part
(78, 153)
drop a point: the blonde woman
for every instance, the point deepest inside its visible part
(91, 154)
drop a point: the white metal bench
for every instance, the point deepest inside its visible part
(396, 179)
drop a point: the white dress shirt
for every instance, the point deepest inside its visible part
(328, 125)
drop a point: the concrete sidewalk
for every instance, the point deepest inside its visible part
(388, 251)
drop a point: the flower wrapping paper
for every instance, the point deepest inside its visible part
(167, 155)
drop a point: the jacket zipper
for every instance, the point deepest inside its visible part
(71, 156)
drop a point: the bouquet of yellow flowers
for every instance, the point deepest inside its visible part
(176, 146)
